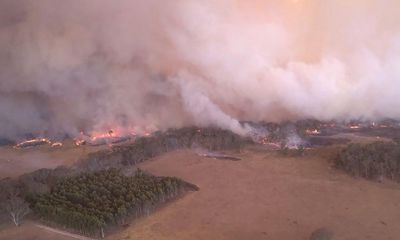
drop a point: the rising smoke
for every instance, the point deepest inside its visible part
(68, 66)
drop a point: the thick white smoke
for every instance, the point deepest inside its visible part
(67, 66)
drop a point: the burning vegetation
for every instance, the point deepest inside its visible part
(144, 148)
(312, 131)
(57, 144)
(33, 143)
(292, 135)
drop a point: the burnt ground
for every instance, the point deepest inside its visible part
(386, 132)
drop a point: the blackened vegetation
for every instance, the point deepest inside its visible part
(387, 132)
(371, 161)
(6, 142)
(277, 132)
(323, 141)
(296, 152)
(90, 203)
(148, 147)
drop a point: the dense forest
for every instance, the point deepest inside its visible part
(90, 203)
(371, 161)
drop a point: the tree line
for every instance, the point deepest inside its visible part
(371, 161)
(145, 148)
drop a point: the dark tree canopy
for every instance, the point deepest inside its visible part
(91, 202)
(374, 160)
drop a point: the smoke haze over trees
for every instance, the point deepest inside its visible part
(67, 66)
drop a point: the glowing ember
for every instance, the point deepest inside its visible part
(79, 142)
(268, 143)
(57, 144)
(110, 134)
(313, 131)
(264, 141)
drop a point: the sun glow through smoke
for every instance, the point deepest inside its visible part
(79, 65)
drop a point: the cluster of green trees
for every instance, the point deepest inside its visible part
(371, 161)
(90, 202)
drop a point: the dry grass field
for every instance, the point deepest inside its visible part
(266, 196)
(14, 162)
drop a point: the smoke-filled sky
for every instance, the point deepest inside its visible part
(67, 66)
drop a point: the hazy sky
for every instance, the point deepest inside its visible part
(67, 66)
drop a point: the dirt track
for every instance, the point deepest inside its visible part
(265, 196)
(31, 231)
(62, 233)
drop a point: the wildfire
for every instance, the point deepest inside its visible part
(264, 141)
(33, 143)
(97, 135)
(268, 143)
(109, 137)
(79, 142)
(313, 131)
(57, 144)
(355, 127)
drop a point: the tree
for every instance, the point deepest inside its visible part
(15, 206)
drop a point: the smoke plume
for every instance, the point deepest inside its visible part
(84, 65)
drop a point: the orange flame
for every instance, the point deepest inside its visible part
(113, 136)
(313, 131)
(79, 142)
(57, 144)
(32, 142)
